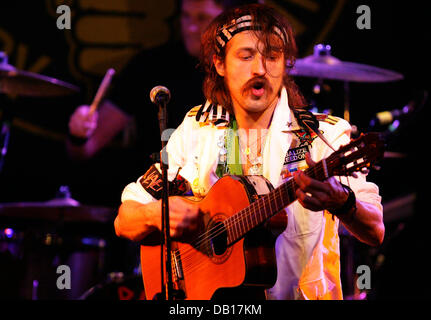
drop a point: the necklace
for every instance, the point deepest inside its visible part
(230, 158)
(253, 151)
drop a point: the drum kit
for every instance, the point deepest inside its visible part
(35, 234)
(65, 210)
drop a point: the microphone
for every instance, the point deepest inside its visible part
(386, 117)
(160, 94)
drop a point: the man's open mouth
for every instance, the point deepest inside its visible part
(258, 88)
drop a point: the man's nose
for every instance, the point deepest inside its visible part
(258, 67)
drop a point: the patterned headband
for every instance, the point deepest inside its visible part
(238, 25)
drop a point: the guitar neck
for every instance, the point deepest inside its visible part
(268, 205)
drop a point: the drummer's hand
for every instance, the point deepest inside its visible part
(82, 124)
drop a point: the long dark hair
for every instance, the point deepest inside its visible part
(267, 19)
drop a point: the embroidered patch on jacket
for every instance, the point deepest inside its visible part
(295, 158)
(296, 154)
(179, 186)
(304, 137)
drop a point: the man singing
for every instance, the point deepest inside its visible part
(245, 53)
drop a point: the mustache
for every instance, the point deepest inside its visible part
(256, 82)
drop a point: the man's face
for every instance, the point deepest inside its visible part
(254, 81)
(196, 15)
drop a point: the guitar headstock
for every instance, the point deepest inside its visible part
(359, 155)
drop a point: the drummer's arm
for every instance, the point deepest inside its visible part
(111, 120)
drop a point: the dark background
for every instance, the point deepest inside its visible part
(36, 163)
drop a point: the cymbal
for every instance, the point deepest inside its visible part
(25, 83)
(321, 64)
(64, 210)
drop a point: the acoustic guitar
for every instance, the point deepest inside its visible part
(243, 219)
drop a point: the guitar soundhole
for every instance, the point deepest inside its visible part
(218, 238)
(217, 248)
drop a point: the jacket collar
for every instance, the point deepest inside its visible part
(215, 114)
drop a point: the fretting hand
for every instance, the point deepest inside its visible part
(317, 195)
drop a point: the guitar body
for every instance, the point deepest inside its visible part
(209, 266)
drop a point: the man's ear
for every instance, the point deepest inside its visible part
(219, 65)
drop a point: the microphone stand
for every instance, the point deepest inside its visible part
(166, 262)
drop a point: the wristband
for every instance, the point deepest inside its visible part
(152, 182)
(348, 205)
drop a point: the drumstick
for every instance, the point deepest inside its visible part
(103, 88)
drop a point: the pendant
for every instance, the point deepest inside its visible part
(255, 170)
(256, 161)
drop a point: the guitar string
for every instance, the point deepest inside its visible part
(211, 233)
(206, 235)
(196, 264)
(250, 212)
(192, 266)
(219, 229)
(238, 218)
(192, 262)
(228, 223)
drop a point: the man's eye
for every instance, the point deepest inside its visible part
(273, 56)
(245, 57)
